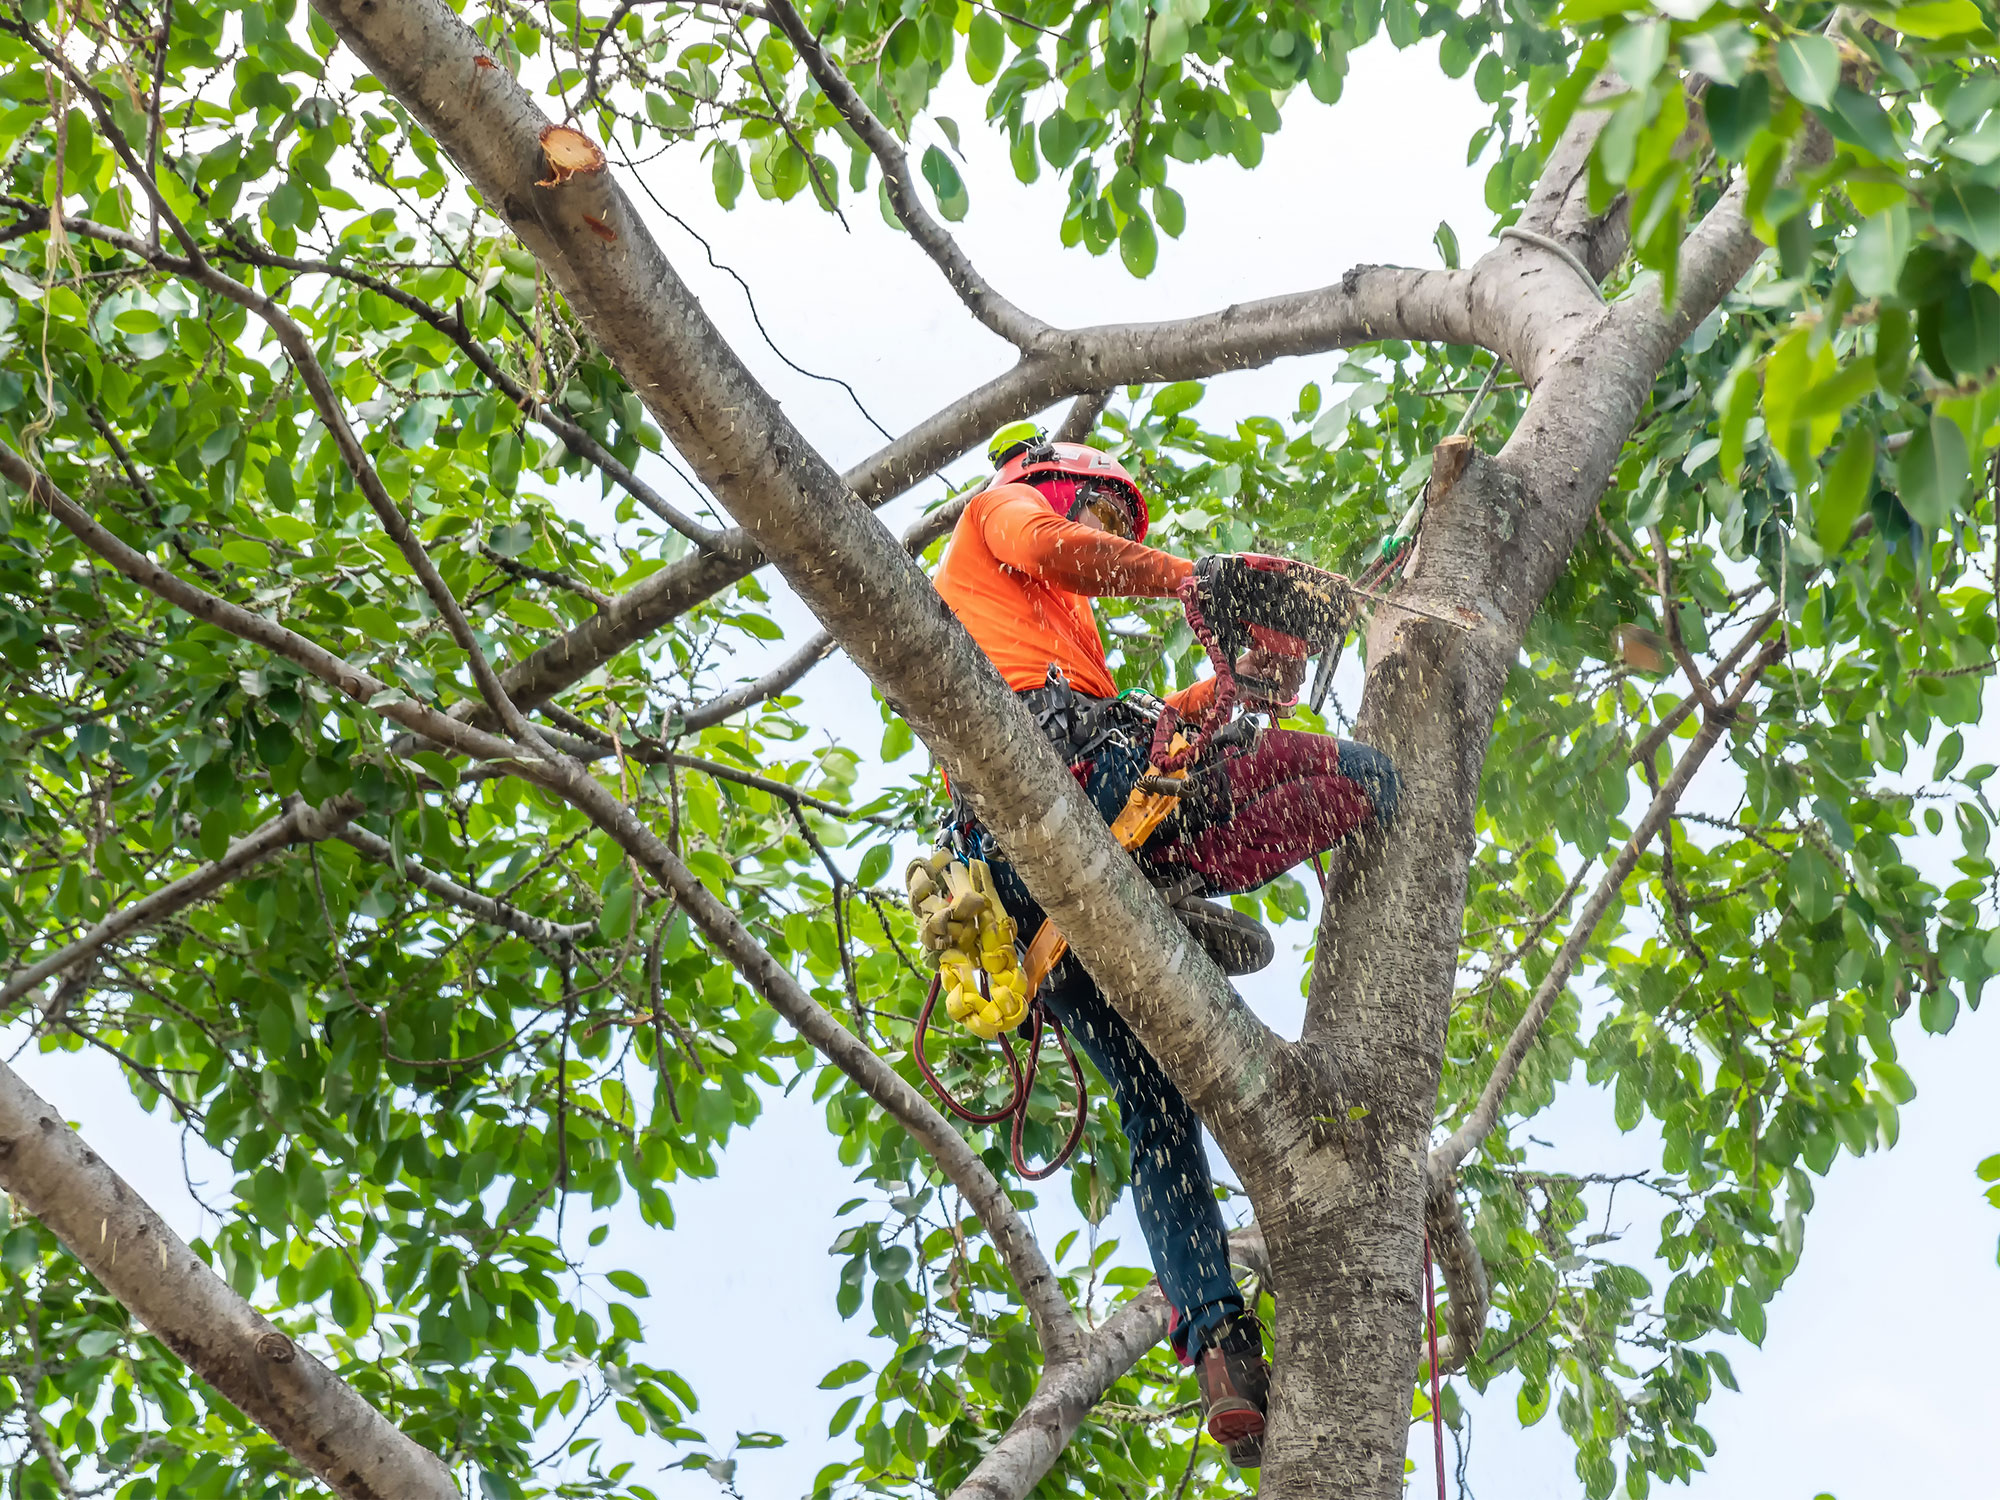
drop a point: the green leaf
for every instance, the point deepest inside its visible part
(287, 204)
(845, 1374)
(20, 1250)
(627, 1283)
(1938, 19)
(1874, 262)
(1639, 51)
(1934, 475)
(726, 171)
(1858, 120)
(1447, 244)
(1722, 54)
(1970, 210)
(512, 539)
(1843, 490)
(985, 46)
(1969, 331)
(1949, 750)
(1138, 246)
(1810, 67)
(1170, 211)
(1895, 1082)
(874, 865)
(614, 922)
(945, 183)
(1736, 115)
(1172, 400)
(1747, 1313)
(844, 1416)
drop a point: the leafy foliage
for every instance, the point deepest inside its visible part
(421, 1103)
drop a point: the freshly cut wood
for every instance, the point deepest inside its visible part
(569, 153)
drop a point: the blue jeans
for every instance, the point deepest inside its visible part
(1171, 1187)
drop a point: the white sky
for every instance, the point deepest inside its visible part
(1872, 1379)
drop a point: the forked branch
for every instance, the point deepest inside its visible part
(1055, 1323)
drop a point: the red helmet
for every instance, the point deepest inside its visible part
(1023, 461)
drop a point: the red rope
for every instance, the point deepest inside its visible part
(1437, 1410)
(1016, 1107)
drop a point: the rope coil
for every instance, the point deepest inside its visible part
(1016, 1107)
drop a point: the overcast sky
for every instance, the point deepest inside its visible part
(1873, 1383)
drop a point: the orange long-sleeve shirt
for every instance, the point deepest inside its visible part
(1021, 578)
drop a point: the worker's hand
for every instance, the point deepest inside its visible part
(1278, 679)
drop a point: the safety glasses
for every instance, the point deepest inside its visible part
(1110, 509)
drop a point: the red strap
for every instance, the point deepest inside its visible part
(1016, 1107)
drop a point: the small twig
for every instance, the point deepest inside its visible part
(548, 576)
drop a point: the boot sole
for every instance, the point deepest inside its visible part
(1236, 1422)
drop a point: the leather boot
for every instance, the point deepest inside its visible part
(1236, 1388)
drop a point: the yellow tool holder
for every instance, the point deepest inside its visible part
(968, 934)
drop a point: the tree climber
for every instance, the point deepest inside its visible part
(1060, 524)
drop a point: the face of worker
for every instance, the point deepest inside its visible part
(1102, 512)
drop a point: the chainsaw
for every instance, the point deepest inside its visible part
(1288, 611)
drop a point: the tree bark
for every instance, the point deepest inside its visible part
(326, 1425)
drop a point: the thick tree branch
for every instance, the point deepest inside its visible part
(320, 1419)
(866, 590)
(1066, 1392)
(1459, 1263)
(1055, 1323)
(1485, 1114)
(1081, 419)
(988, 306)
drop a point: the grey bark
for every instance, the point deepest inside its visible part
(1331, 1135)
(356, 1451)
(1496, 536)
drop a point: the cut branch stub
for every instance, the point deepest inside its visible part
(569, 153)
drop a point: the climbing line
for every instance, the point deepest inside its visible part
(1016, 1107)
(1558, 249)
